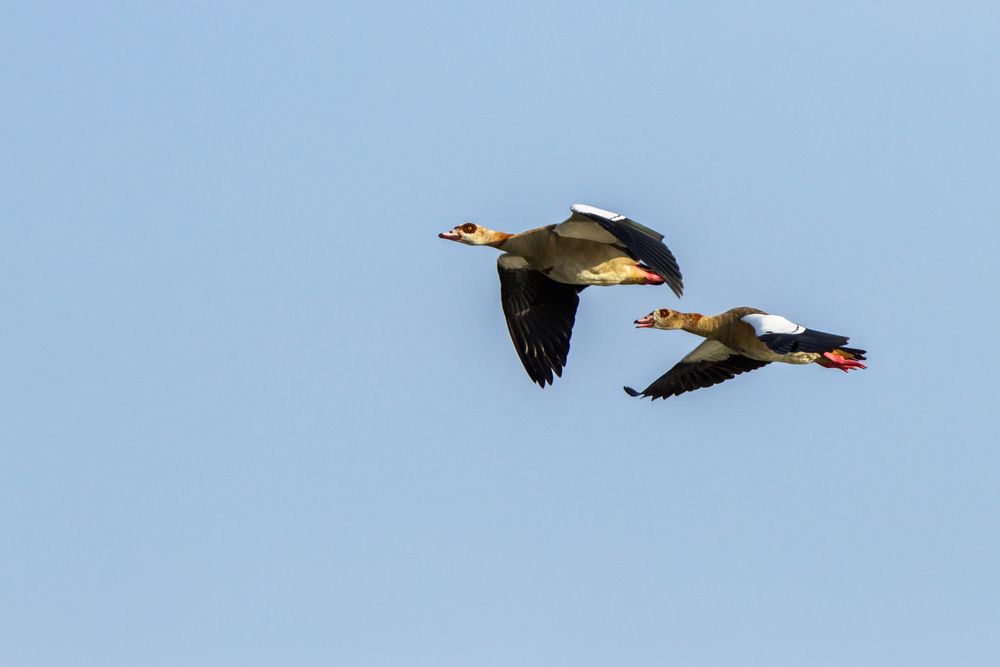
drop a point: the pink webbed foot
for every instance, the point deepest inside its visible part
(834, 360)
(651, 278)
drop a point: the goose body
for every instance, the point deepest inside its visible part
(741, 340)
(543, 270)
(575, 261)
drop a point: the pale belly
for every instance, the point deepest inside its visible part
(604, 265)
(749, 346)
(762, 352)
(612, 272)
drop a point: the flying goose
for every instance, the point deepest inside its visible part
(741, 340)
(542, 272)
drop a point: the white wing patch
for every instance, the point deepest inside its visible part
(710, 350)
(767, 324)
(599, 212)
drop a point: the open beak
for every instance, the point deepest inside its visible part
(451, 235)
(644, 322)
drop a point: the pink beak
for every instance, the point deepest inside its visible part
(451, 236)
(644, 322)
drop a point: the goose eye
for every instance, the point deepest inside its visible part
(663, 312)
(468, 228)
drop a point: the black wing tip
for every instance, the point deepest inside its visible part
(858, 353)
(541, 376)
(641, 394)
(546, 379)
(677, 286)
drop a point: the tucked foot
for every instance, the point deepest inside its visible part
(647, 277)
(834, 360)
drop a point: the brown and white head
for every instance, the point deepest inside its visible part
(470, 233)
(663, 318)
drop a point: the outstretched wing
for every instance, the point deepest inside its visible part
(540, 313)
(645, 244)
(784, 336)
(708, 364)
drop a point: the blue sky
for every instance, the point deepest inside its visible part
(255, 412)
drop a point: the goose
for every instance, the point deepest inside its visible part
(543, 270)
(741, 340)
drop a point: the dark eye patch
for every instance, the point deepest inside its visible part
(664, 312)
(468, 228)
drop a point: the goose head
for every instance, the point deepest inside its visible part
(470, 233)
(663, 318)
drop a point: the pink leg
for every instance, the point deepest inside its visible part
(834, 360)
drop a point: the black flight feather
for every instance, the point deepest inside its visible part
(540, 313)
(647, 246)
(687, 376)
(809, 340)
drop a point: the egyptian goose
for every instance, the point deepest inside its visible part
(542, 272)
(741, 340)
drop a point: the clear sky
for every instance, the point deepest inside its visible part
(254, 411)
